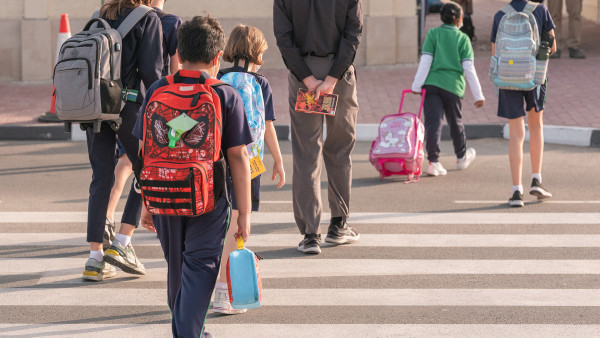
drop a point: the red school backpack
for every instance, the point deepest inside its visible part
(398, 148)
(183, 171)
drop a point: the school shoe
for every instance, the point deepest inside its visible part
(537, 189)
(221, 304)
(109, 234)
(465, 162)
(340, 232)
(576, 53)
(516, 200)
(124, 258)
(207, 335)
(436, 169)
(311, 244)
(97, 271)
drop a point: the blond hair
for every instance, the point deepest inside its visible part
(245, 42)
(114, 8)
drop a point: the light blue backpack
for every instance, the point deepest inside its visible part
(246, 84)
(514, 65)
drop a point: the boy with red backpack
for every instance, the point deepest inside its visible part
(189, 123)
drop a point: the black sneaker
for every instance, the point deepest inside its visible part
(537, 189)
(311, 244)
(340, 232)
(576, 53)
(516, 200)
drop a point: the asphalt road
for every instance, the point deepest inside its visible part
(443, 256)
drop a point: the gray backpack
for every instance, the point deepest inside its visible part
(87, 76)
(514, 65)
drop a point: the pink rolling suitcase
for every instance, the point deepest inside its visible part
(398, 148)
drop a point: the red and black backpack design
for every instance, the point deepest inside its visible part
(188, 179)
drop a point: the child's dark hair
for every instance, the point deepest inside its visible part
(200, 39)
(450, 12)
(245, 42)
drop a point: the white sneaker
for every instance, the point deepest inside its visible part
(221, 304)
(436, 169)
(463, 163)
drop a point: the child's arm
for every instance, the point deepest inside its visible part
(273, 145)
(422, 72)
(239, 166)
(473, 81)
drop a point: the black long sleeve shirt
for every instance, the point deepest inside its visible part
(317, 27)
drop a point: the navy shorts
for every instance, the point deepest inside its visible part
(120, 149)
(254, 192)
(510, 102)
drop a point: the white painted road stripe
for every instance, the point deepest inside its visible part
(357, 217)
(317, 297)
(545, 202)
(366, 240)
(306, 330)
(71, 268)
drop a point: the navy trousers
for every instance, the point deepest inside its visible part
(192, 247)
(440, 103)
(101, 152)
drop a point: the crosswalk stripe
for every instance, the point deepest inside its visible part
(359, 217)
(503, 202)
(298, 268)
(307, 330)
(318, 297)
(366, 240)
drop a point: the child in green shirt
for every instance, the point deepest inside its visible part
(447, 59)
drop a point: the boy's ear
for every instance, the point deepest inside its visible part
(216, 59)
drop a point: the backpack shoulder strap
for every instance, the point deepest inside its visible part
(132, 19)
(508, 9)
(530, 7)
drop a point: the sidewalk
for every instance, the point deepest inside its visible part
(572, 101)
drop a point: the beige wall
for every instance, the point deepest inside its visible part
(30, 30)
(591, 10)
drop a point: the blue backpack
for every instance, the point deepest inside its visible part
(246, 84)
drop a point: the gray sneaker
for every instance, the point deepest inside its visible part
(124, 258)
(97, 271)
(109, 234)
(340, 232)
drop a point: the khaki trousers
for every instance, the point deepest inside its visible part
(574, 11)
(309, 149)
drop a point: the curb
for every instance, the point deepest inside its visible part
(571, 136)
(22, 132)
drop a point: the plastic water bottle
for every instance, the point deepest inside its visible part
(243, 278)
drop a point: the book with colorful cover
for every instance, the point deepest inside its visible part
(306, 102)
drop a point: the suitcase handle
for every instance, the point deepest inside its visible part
(404, 92)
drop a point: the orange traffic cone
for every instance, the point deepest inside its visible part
(64, 33)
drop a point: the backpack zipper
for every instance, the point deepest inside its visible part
(110, 54)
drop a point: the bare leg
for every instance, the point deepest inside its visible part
(229, 247)
(536, 139)
(122, 172)
(515, 148)
(126, 229)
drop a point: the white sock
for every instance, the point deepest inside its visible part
(97, 255)
(221, 285)
(517, 187)
(538, 176)
(123, 239)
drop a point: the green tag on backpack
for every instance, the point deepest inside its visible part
(178, 126)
